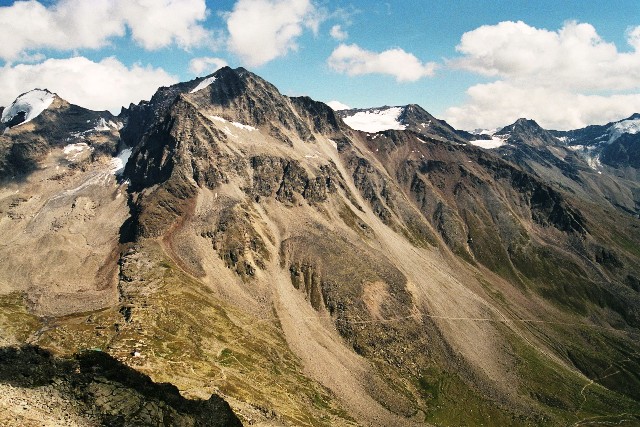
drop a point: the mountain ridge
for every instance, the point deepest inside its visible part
(257, 247)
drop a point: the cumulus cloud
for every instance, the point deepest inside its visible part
(564, 79)
(354, 61)
(206, 65)
(76, 24)
(574, 56)
(262, 30)
(107, 84)
(501, 103)
(338, 33)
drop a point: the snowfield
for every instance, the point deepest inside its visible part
(203, 84)
(376, 120)
(120, 161)
(73, 151)
(236, 124)
(32, 103)
(494, 142)
(106, 126)
(626, 126)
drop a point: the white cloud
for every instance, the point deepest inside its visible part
(206, 65)
(76, 24)
(107, 84)
(501, 103)
(337, 105)
(633, 37)
(262, 30)
(573, 57)
(158, 23)
(564, 79)
(354, 61)
(338, 33)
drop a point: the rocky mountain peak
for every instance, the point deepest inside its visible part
(242, 92)
(40, 120)
(524, 123)
(527, 131)
(27, 107)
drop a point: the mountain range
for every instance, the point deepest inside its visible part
(297, 265)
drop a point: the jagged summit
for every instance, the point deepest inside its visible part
(234, 96)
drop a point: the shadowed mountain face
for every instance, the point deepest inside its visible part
(103, 391)
(24, 145)
(313, 274)
(598, 163)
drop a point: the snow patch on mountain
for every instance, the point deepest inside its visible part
(376, 120)
(106, 126)
(489, 132)
(589, 153)
(494, 142)
(337, 106)
(72, 148)
(236, 124)
(119, 162)
(203, 84)
(72, 151)
(626, 126)
(32, 104)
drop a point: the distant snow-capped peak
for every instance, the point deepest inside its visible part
(338, 106)
(629, 126)
(27, 107)
(488, 132)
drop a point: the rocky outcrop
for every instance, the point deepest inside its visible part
(373, 187)
(139, 118)
(418, 120)
(236, 241)
(287, 180)
(241, 96)
(325, 120)
(108, 392)
(547, 205)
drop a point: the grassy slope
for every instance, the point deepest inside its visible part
(189, 338)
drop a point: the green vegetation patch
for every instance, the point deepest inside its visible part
(16, 323)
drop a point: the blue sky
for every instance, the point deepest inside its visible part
(474, 63)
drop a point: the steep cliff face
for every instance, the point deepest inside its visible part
(313, 274)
